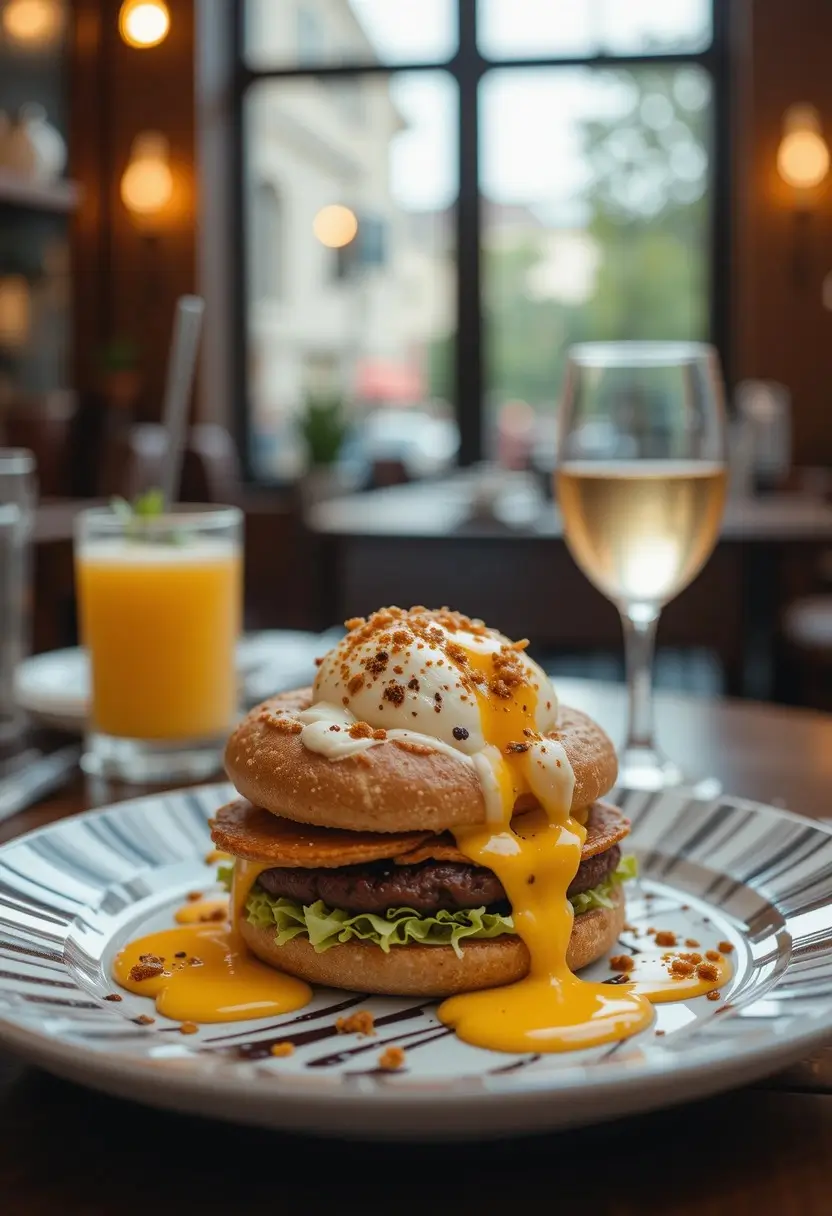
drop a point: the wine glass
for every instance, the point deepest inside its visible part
(641, 479)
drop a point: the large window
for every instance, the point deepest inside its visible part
(437, 198)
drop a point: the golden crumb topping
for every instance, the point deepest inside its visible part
(392, 1059)
(360, 1022)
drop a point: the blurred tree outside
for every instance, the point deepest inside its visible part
(648, 222)
(650, 210)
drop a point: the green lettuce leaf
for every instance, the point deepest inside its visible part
(326, 927)
(601, 896)
(224, 875)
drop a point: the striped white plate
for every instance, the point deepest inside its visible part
(72, 893)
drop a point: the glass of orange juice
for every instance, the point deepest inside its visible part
(160, 605)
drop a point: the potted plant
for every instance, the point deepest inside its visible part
(120, 374)
(323, 427)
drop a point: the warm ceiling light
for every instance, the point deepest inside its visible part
(803, 157)
(144, 23)
(147, 182)
(335, 226)
(32, 23)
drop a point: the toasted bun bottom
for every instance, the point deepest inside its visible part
(430, 971)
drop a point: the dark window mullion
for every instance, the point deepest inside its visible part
(241, 403)
(719, 211)
(469, 377)
(336, 70)
(705, 59)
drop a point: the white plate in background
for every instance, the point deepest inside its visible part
(55, 687)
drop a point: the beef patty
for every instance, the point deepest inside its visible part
(426, 887)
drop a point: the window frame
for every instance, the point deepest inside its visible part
(467, 67)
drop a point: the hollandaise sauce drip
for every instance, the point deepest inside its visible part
(551, 1009)
(206, 973)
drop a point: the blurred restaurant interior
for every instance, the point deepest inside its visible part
(400, 217)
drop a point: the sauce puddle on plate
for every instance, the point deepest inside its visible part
(203, 972)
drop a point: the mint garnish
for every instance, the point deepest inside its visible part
(143, 510)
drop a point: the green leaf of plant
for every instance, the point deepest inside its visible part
(150, 504)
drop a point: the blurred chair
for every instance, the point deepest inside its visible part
(211, 470)
(133, 460)
(807, 633)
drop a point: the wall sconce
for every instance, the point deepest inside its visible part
(32, 24)
(147, 182)
(803, 164)
(803, 157)
(143, 23)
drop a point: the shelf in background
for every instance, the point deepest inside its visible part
(16, 191)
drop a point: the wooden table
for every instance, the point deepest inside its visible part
(764, 1150)
(472, 501)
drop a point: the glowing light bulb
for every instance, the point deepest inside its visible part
(144, 23)
(803, 157)
(32, 23)
(335, 226)
(147, 182)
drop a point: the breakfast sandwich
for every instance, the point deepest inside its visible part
(426, 820)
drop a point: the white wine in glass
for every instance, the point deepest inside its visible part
(641, 481)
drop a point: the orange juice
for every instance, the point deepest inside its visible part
(160, 622)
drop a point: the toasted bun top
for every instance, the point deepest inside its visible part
(391, 787)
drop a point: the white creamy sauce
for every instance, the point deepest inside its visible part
(318, 735)
(412, 690)
(488, 764)
(549, 774)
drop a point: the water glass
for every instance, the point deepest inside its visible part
(17, 505)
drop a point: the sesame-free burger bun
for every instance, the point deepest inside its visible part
(430, 971)
(390, 787)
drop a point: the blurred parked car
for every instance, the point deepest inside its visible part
(419, 442)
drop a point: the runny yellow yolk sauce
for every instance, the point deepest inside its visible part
(551, 1009)
(208, 974)
(198, 911)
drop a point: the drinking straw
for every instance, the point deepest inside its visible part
(187, 327)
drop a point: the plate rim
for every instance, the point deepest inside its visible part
(295, 1108)
(281, 1094)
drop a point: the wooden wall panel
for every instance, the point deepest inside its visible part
(126, 280)
(782, 330)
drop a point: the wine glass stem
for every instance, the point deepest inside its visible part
(640, 624)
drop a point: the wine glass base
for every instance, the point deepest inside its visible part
(648, 770)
